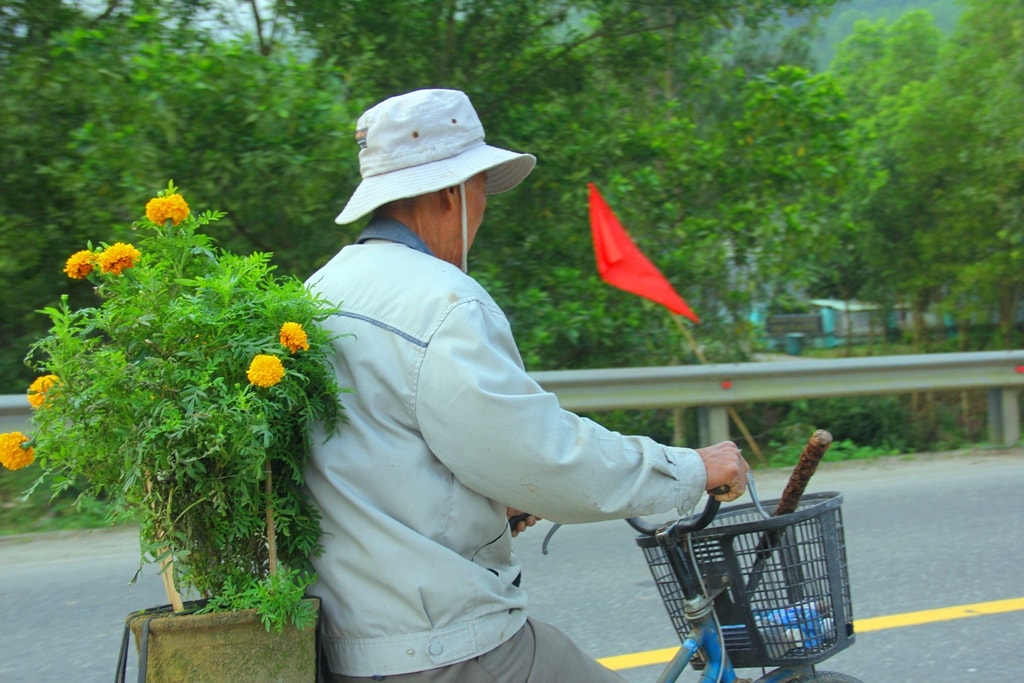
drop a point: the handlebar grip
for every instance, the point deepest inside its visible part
(514, 520)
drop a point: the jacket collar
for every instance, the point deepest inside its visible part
(389, 229)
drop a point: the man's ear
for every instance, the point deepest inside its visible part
(449, 197)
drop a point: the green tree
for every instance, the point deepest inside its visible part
(98, 117)
(964, 141)
(882, 67)
(842, 22)
(102, 105)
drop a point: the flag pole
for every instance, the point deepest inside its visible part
(732, 411)
(621, 264)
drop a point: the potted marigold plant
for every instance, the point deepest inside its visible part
(185, 398)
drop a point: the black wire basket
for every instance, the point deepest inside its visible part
(782, 584)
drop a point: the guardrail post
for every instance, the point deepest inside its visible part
(712, 424)
(1004, 416)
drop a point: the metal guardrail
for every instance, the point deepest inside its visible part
(712, 388)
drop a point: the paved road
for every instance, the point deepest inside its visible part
(922, 533)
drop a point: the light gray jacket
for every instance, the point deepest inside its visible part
(445, 430)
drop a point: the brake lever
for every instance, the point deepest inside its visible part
(753, 495)
(725, 488)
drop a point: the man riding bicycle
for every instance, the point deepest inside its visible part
(447, 434)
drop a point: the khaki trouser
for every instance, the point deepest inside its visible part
(539, 653)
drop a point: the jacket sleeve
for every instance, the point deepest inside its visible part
(506, 438)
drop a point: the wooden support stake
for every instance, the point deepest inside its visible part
(271, 531)
(167, 569)
(167, 574)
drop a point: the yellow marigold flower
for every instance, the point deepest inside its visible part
(294, 337)
(80, 264)
(13, 454)
(265, 370)
(117, 257)
(172, 207)
(37, 390)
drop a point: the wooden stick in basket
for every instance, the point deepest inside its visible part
(805, 467)
(802, 473)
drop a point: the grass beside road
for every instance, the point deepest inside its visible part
(39, 512)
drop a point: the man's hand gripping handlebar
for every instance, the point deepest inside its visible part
(726, 470)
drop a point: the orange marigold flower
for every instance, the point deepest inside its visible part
(37, 390)
(265, 370)
(13, 453)
(117, 257)
(294, 337)
(80, 264)
(170, 208)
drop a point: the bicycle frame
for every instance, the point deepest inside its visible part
(706, 637)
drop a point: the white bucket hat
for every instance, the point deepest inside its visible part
(424, 141)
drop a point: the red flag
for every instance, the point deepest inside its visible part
(621, 264)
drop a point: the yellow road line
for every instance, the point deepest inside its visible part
(638, 659)
(941, 614)
(928, 616)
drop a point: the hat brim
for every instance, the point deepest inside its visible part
(505, 170)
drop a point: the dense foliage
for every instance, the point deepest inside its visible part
(186, 398)
(747, 172)
(841, 21)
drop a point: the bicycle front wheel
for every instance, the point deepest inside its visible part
(826, 677)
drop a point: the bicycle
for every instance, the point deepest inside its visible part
(745, 589)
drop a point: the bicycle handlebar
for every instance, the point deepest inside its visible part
(680, 527)
(689, 525)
